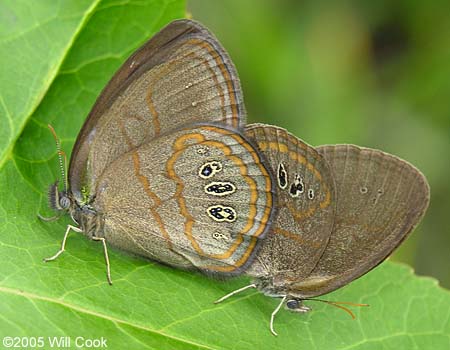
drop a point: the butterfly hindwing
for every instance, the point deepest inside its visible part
(305, 205)
(380, 199)
(200, 196)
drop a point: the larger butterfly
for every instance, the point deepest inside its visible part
(161, 167)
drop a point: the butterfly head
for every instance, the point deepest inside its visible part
(58, 200)
(296, 305)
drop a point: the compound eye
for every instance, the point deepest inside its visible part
(292, 304)
(64, 202)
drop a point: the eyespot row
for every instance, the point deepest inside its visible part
(296, 188)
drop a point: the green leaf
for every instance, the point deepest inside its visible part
(54, 63)
(34, 39)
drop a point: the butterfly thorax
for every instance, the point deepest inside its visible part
(87, 218)
(285, 283)
(270, 287)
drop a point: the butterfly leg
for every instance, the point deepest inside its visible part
(234, 292)
(105, 250)
(63, 243)
(272, 318)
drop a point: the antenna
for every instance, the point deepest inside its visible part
(61, 154)
(339, 304)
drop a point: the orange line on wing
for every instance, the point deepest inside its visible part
(296, 237)
(144, 180)
(283, 148)
(149, 97)
(221, 92)
(221, 64)
(179, 146)
(124, 131)
(239, 263)
(157, 201)
(269, 198)
(153, 112)
(289, 138)
(252, 183)
(300, 215)
(280, 147)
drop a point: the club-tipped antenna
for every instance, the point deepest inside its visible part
(339, 304)
(61, 156)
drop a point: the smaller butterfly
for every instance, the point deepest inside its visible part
(342, 210)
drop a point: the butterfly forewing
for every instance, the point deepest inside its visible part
(380, 199)
(181, 76)
(305, 205)
(199, 197)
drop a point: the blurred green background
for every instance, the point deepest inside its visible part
(372, 73)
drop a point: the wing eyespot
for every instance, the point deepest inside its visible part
(221, 213)
(282, 176)
(220, 188)
(209, 169)
(297, 187)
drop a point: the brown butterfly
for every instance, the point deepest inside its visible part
(343, 209)
(161, 167)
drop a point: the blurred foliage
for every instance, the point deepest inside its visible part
(376, 74)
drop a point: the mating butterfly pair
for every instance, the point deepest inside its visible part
(166, 167)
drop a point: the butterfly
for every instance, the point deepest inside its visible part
(343, 209)
(161, 167)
